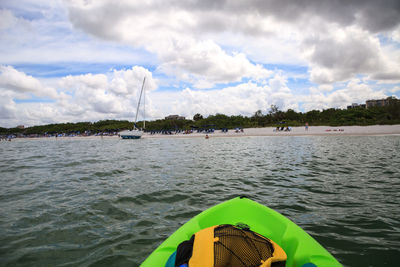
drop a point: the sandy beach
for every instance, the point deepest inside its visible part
(267, 131)
(295, 131)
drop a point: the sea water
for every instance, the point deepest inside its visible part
(102, 202)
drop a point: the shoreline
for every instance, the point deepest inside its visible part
(374, 130)
(295, 131)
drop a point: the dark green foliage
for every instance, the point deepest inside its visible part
(197, 117)
(71, 128)
(9, 131)
(170, 125)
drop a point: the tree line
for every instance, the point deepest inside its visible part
(274, 117)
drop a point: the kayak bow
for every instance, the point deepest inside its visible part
(300, 247)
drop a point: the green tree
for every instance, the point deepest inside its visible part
(258, 114)
(273, 110)
(197, 117)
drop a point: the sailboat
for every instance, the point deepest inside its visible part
(135, 133)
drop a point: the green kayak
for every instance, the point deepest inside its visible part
(301, 248)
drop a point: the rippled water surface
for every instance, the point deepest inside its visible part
(110, 202)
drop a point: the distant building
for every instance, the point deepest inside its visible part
(378, 103)
(355, 105)
(175, 117)
(374, 103)
(20, 126)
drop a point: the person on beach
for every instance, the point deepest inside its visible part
(306, 126)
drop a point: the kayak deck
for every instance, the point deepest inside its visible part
(300, 247)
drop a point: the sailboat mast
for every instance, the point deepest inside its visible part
(140, 97)
(144, 109)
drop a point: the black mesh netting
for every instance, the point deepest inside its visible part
(237, 247)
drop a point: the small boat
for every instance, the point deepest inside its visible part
(300, 248)
(135, 133)
(131, 134)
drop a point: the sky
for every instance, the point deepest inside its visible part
(85, 60)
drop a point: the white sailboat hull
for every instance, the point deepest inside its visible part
(131, 134)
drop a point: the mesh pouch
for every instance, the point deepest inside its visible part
(228, 245)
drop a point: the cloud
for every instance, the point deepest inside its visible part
(173, 16)
(40, 33)
(205, 63)
(356, 91)
(337, 37)
(169, 33)
(346, 52)
(8, 109)
(87, 97)
(244, 98)
(7, 19)
(370, 15)
(395, 89)
(113, 94)
(395, 35)
(20, 83)
(89, 93)
(116, 94)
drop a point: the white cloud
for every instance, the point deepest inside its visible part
(171, 34)
(205, 61)
(110, 95)
(395, 89)
(114, 95)
(7, 107)
(40, 33)
(245, 99)
(278, 84)
(7, 19)
(395, 35)
(336, 39)
(356, 91)
(346, 52)
(86, 97)
(20, 83)
(325, 87)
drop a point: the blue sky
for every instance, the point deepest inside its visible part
(68, 61)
